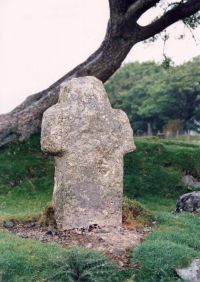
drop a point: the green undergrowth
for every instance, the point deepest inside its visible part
(28, 260)
(173, 244)
(157, 168)
(26, 179)
(152, 176)
(135, 213)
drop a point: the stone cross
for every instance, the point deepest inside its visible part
(88, 139)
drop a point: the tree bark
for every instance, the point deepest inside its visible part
(25, 120)
(122, 34)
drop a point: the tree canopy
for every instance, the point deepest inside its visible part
(149, 93)
(123, 32)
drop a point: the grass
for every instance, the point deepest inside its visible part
(174, 244)
(152, 175)
(187, 139)
(157, 168)
(26, 180)
(133, 213)
(28, 260)
(19, 258)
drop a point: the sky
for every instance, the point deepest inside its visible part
(41, 40)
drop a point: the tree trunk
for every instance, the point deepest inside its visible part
(149, 130)
(25, 120)
(122, 33)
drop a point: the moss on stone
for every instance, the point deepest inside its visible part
(47, 216)
(134, 213)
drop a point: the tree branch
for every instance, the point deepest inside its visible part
(177, 13)
(119, 7)
(125, 13)
(139, 7)
(122, 34)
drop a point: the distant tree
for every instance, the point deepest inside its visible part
(151, 94)
(128, 90)
(123, 32)
(175, 95)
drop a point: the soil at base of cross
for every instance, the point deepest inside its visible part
(114, 242)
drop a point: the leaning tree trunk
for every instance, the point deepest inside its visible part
(122, 33)
(25, 120)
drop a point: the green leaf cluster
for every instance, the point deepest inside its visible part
(83, 265)
(150, 93)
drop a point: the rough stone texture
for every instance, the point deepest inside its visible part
(190, 181)
(190, 273)
(8, 224)
(89, 139)
(189, 202)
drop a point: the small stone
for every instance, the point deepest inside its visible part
(24, 236)
(8, 224)
(189, 202)
(119, 252)
(103, 230)
(120, 263)
(38, 225)
(190, 181)
(79, 231)
(147, 229)
(31, 225)
(74, 243)
(139, 229)
(120, 229)
(93, 227)
(190, 273)
(89, 246)
(100, 239)
(98, 231)
(51, 231)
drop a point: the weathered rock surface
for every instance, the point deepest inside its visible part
(8, 224)
(190, 273)
(89, 139)
(190, 181)
(189, 202)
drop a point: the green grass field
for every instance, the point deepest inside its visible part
(26, 179)
(152, 175)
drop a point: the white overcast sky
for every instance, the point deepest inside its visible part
(43, 39)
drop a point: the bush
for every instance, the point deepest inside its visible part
(47, 216)
(157, 168)
(173, 245)
(29, 260)
(157, 260)
(83, 265)
(133, 212)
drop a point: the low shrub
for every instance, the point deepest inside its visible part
(134, 213)
(83, 265)
(47, 216)
(28, 260)
(157, 168)
(174, 244)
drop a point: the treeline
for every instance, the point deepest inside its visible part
(156, 98)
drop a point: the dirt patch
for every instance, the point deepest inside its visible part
(115, 242)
